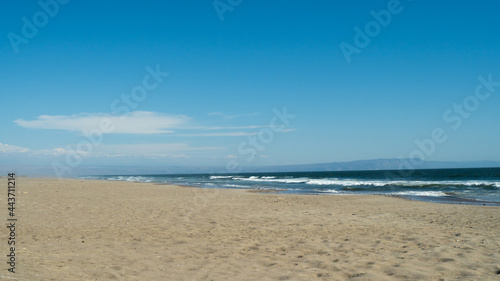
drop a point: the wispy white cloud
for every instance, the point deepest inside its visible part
(51, 152)
(233, 116)
(229, 134)
(213, 128)
(152, 151)
(147, 150)
(137, 122)
(6, 148)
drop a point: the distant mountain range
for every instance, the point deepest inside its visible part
(375, 164)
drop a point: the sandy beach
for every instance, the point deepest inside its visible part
(100, 230)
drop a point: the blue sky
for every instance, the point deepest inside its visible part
(223, 69)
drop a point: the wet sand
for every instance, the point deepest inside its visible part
(101, 230)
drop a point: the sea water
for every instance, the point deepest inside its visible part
(464, 186)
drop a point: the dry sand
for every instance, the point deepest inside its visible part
(97, 230)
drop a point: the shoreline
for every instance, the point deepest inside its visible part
(455, 186)
(428, 199)
(74, 229)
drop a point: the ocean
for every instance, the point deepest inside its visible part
(479, 186)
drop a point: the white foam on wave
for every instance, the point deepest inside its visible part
(462, 183)
(220, 177)
(483, 183)
(420, 193)
(354, 182)
(329, 191)
(346, 182)
(322, 182)
(235, 185)
(90, 178)
(290, 180)
(130, 178)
